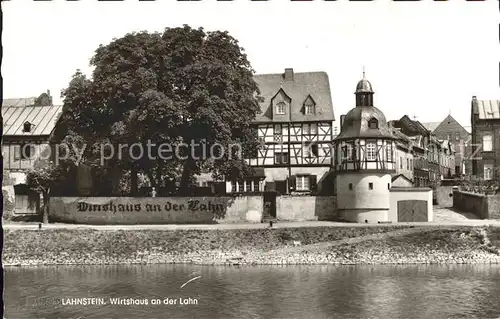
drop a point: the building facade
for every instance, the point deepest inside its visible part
(365, 160)
(295, 131)
(450, 130)
(28, 125)
(485, 154)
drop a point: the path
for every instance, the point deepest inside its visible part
(354, 240)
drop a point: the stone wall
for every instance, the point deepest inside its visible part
(483, 206)
(302, 208)
(186, 210)
(155, 210)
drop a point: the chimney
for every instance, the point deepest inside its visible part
(288, 74)
(342, 117)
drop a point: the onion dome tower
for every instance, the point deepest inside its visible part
(364, 160)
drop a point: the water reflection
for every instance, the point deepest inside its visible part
(453, 291)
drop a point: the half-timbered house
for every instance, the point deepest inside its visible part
(295, 131)
(27, 127)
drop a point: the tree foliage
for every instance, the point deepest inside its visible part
(183, 85)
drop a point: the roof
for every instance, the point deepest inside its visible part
(401, 176)
(19, 102)
(355, 124)
(43, 119)
(413, 127)
(487, 109)
(315, 84)
(431, 126)
(364, 86)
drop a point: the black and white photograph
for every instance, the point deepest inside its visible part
(250, 159)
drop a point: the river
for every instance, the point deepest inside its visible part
(453, 291)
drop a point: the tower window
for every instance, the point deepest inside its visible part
(388, 185)
(371, 152)
(370, 185)
(373, 124)
(350, 186)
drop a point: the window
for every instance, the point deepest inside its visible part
(314, 150)
(240, 187)
(313, 129)
(350, 186)
(280, 158)
(487, 143)
(248, 185)
(306, 129)
(27, 126)
(309, 108)
(302, 182)
(280, 108)
(347, 152)
(278, 133)
(255, 187)
(388, 185)
(370, 185)
(373, 124)
(408, 164)
(457, 136)
(203, 184)
(411, 163)
(25, 152)
(389, 153)
(370, 152)
(233, 187)
(450, 137)
(488, 171)
(401, 162)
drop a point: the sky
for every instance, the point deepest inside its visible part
(424, 59)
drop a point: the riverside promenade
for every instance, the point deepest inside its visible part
(443, 217)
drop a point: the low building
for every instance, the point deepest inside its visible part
(485, 120)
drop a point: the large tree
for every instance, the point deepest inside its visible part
(180, 86)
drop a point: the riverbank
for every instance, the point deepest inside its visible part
(307, 245)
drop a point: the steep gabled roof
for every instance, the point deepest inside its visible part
(42, 118)
(448, 120)
(315, 84)
(431, 126)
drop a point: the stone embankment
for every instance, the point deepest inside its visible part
(288, 246)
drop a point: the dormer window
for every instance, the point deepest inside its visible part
(27, 126)
(280, 108)
(309, 106)
(373, 124)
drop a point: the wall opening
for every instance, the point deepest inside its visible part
(370, 185)
(350, 186)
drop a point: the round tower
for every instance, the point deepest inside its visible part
(364, 161)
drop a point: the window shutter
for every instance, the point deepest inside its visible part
(292, 182)
(313, 184)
